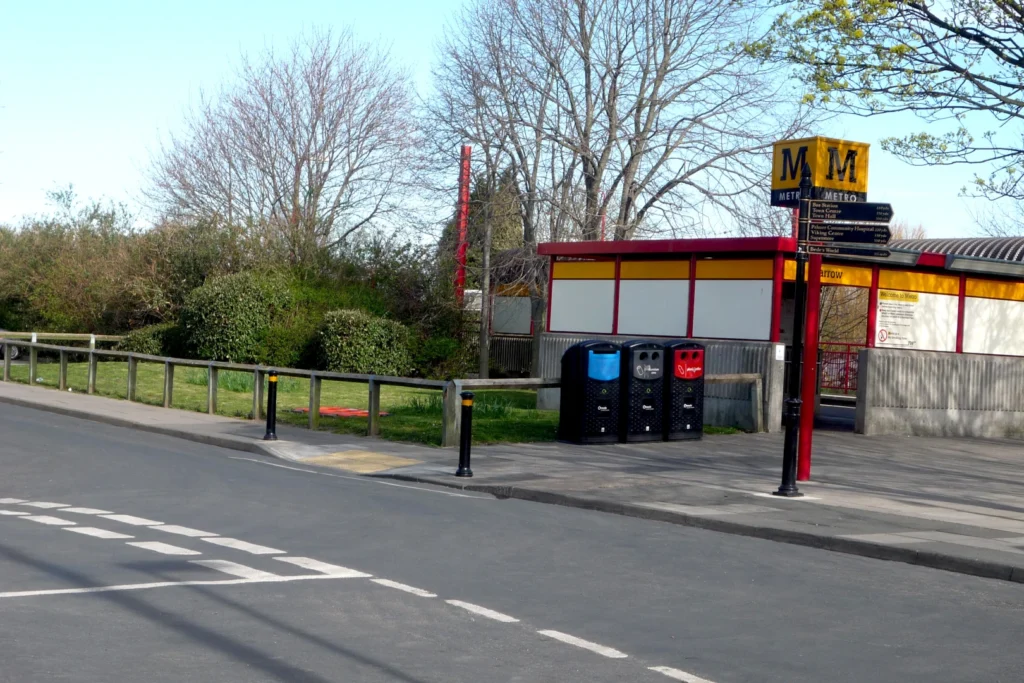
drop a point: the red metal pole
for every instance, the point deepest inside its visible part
(462, 223)
(796, 221)
(809, 389)
(872, 309)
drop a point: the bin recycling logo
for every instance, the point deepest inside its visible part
(647, 371)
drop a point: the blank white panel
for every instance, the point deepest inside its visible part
(653, 307)
(927, 324)
(994, 326)
(511, 315)
(582, 306)
(732, 309)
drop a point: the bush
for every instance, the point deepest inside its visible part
(441, 358)
(229, 317)
(355, 341)
(154, 340)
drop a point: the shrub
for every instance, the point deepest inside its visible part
(440, 357)
(155, 340)
(355, 341)
(229, 317)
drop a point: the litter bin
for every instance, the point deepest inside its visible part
(589, 406)
(684, 391)
(642, 391)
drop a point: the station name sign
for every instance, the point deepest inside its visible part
(839, 170)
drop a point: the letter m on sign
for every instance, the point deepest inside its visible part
(835, 167)
(790, 165)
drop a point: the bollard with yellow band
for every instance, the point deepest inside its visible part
(271, 434)
(466, 435)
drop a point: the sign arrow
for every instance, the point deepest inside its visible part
(851, 234)
(851, 212)
(847, 250)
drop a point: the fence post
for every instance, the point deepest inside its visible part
(314, 400)
(757, 404)
(211, 389)
(7, 362)
(133, 366)
(91, 382)
(373, 422)
(62, 378)
(257, 394)
(33, 363)
(451, 418)
(168, 383)
(92, 342)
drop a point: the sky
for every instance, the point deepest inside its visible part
(90, 88)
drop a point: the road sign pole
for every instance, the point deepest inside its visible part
(792, 409)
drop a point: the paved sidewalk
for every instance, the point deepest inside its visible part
(952, 504)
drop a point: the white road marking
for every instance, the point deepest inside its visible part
(402, 587)
(585, 644)
(164, 548)
(243, 546)
(161, 584)
(98, 533)
(13, 513)
(483, 611)
(11, 501)
(87, 511)
(46, 519)
(234, 569)
(182, 530)
(365, 480)
(324, 568)
(134, 521)
(44, 505)
(678, 675)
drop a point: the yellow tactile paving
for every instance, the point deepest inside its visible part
(362, 462)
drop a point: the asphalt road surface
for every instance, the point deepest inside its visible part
(127, 556)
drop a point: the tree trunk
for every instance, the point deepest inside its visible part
(485, 296)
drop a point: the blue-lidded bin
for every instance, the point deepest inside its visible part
(589, 406)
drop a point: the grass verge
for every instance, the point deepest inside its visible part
(414, 415)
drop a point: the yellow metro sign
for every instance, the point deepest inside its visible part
(839, 170)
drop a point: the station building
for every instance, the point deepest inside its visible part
(942, 342)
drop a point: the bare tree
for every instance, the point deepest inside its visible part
(308, 146)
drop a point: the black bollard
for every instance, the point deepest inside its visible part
(466, 437)
(271, 434)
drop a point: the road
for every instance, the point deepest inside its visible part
(127, 556)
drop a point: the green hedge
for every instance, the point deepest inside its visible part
(355, 341)
(163, 339)
(229, 317)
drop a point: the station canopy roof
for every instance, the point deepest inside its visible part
(1000, 248)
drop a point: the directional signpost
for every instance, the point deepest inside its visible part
(843, 250)
(848, 229)
(849, 234)
(851, 212)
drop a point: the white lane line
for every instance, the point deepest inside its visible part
(87, 511)
(134, 521)
(46, 519)
(13, 513)
(182, 530)
(11, 501)
(164, 548)
(44, 505)
(324, 568)
(244, 546)
(678, 675)
(161, 584)
(585, 644)
(483, 611)
(402, 587)
(234, 569)
(98, 533)
(364, 480)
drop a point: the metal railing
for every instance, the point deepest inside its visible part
(451, 422)
(34, 337)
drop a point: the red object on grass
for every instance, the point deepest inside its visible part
(336, 411)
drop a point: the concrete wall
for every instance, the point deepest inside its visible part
(726, 405)
(940, 394)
